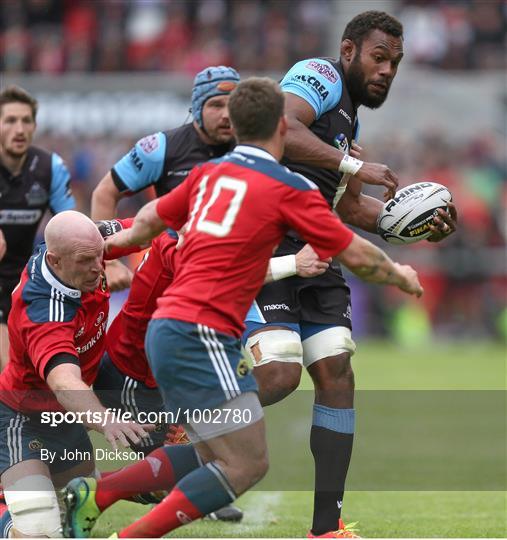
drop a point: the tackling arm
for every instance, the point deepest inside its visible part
(147, 225)
(372, 264)
(305, 263)
(76, 396)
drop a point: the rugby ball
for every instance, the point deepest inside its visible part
(406, 218)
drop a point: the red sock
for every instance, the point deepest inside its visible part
(173, 512)
(105, 474)
(150, 474)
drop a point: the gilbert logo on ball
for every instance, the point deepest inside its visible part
(407, 217)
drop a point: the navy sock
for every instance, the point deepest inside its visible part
(200, 492)
(331, 441)
(207, 488)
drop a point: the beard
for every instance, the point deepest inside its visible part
(358, 87)
(14, 153)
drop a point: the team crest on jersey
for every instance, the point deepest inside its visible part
(100, 318)
(35, 444)
(149, 143)
(341, 142)
(323, 69)
(242, 368)
(80, 332)
(37, 195)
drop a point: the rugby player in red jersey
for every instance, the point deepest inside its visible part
(236, 210)
(57, 334)
(124, 379)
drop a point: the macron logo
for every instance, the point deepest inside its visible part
(271, 307)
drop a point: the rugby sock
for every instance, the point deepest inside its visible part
(5, 521)
(160, 470)
(202, 491)
(331, 441)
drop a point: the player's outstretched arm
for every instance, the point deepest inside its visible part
(373, 265)
(74, 395)
(305, 263)
(147, 225)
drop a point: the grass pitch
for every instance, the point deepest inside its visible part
(384, 367)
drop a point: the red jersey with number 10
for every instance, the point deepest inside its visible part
(237, 209)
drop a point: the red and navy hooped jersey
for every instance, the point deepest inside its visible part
(48, 318)
(237, 210)
(125, 336)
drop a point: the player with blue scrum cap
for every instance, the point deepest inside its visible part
(164, 159)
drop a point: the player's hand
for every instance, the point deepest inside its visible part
(355, 150)
(308, 263)
(408, 280)
(3, 245)
(123, 432)
(118, 275)
(444, 224)
(378, 174)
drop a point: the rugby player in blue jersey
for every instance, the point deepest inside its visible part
(31, 181)
(307, 322)
(164, 159)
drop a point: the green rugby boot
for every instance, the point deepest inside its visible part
(81, 510)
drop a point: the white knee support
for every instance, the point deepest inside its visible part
(329, 342)
(34, 507)
(274, 346)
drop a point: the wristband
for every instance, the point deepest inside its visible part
(282, 267)
(349, 165)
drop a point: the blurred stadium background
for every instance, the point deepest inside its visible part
(109, 71)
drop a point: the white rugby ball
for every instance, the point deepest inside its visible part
(406, 218)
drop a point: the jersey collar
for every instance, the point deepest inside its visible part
(254, 151)
(54, 282)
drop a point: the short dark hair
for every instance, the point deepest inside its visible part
(361, 25)
(255, 108)
(16, 94)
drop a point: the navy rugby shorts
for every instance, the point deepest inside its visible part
(196, 367)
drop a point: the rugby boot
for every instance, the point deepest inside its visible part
(228, 513)
(81, 509)
(343, 531)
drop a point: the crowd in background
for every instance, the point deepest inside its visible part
(55, 36)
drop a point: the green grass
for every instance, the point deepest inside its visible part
(410, 513)
(381, 514)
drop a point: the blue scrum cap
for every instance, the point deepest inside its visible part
(210, 82)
